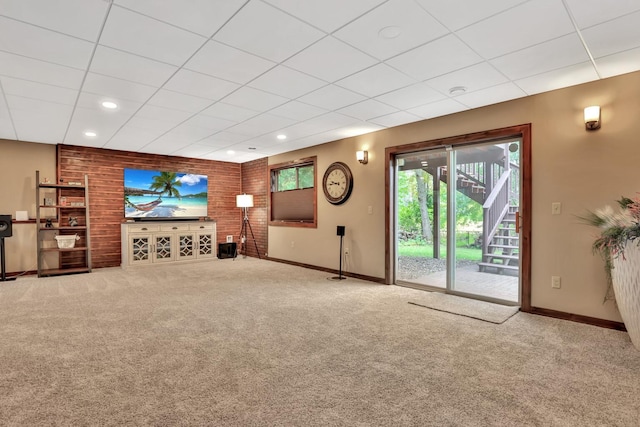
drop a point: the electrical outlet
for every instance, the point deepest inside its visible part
(293, 244)
(370, 210)
(555, 282)
(229, 239)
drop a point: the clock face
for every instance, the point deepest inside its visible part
(337, 183)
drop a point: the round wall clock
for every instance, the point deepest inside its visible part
(337, 183)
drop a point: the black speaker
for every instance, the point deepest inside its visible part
(227, 250)
(340, 231)
(5, 226)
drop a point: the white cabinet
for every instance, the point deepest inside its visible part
(147, 243)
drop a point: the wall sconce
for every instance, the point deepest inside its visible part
(592, 117)
(362, 156)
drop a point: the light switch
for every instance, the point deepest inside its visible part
(556, 208)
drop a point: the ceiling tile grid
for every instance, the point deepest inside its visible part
(221, 79)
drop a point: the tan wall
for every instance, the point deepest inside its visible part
(582, 170)
(18, 164)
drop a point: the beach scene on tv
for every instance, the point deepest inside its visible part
(157, 194)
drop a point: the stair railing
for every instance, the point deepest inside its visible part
(494, 209)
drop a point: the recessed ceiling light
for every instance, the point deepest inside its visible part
(390, 32)
(231, 152)
(90, 133)
(110, 105)
(281, 137)
(457, 90)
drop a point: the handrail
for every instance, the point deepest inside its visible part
(496, 189)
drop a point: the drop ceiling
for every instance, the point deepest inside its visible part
(221, 79)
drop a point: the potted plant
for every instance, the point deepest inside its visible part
(618, 243)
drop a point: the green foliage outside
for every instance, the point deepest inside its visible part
(295, 178)
(413, 250)
(409, 220)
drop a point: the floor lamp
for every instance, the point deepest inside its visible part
(245, 201)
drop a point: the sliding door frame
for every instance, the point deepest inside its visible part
(521, 132)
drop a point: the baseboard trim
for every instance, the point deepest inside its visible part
(329, 270)
(610, 324)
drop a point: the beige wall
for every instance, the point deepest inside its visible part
(582, 170)
(18, 164)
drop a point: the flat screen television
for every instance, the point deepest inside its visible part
(158, 195)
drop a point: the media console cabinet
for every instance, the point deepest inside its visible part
(162, 242)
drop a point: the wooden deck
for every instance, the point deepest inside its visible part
(472, 281)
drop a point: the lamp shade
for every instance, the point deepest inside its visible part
(244, 201)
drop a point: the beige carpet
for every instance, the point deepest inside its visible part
(255, 343)
(480, 310)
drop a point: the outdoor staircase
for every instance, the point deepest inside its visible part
(468, 184)
(502, 252)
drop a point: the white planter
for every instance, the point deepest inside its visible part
(626, 285)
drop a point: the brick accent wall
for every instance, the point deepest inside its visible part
(255, 180)
(105, 169)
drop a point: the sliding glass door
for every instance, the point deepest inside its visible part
(457, 222)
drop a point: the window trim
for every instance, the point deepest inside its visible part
(286, 165)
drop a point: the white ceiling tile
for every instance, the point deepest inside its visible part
(38, 121)
(179, 101)
(225, 62)
(366, 110)
(438, 108)
(286, 82)
(614, 36)
(619, 63)
(193, 150)
(297, 111)
(209, 122)
(592, 12)
(354, 129)
(255, 99)
(144, 36)
(473, 78)
(332, 97)
(330, 59)
(376, 80)
(94, 102)
(154, 126)
(105, 124)
(223, 139)
(260, 125)
(322, 14)
(274, 35)
(40, 71)
(126, 66)
(415, 27)
(411, 96)
(201, 85)
(492, 95)
(204, 17)
(132, 138)
(117, 89)
(185, 134)
(395, 119)
(564, 77)
(436, 58)
(34, 90)
(166, 145)
(528, 24)
(557, 53)
(38, 43)
(455, 14)
(168, 116)
(78, 18)
(229, 112)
